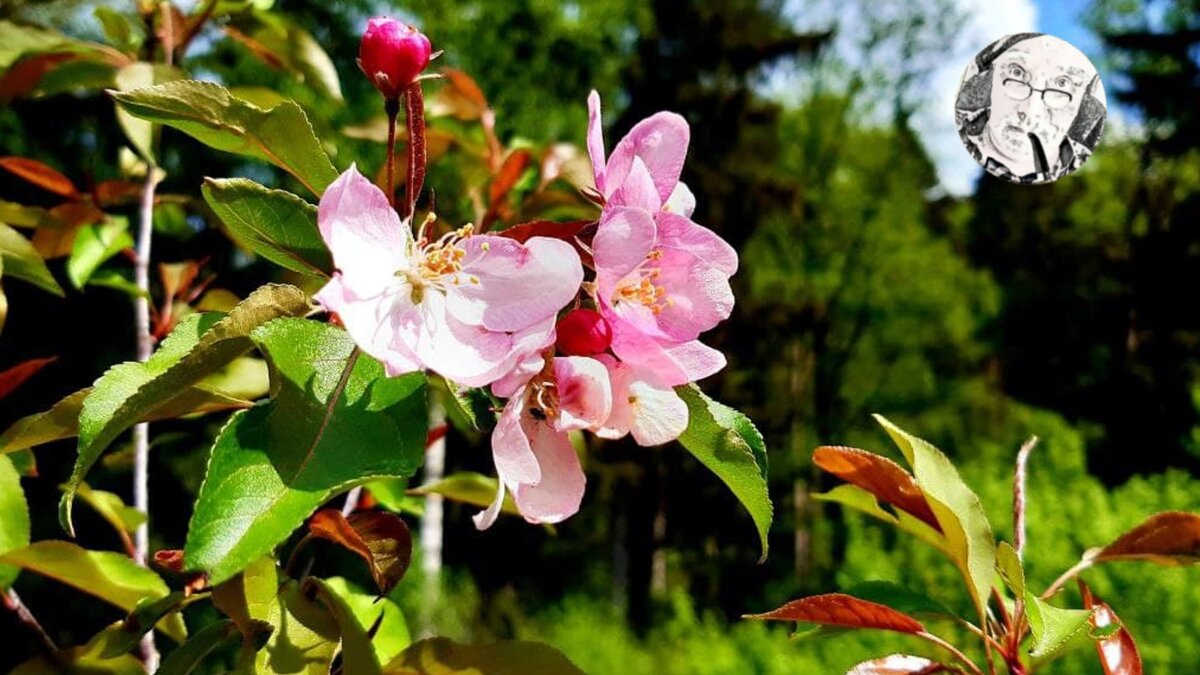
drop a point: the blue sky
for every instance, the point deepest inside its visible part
(1061, 18)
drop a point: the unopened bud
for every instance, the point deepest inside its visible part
(392, 55)
(583, 332)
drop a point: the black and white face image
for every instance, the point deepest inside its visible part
(1030, 108)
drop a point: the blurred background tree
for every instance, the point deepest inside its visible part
(1061, 310)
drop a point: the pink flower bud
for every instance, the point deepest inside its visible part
(392, 55)
(583, 332)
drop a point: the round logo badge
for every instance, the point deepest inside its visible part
(1030, 108)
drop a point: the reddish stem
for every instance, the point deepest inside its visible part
(414, 100)
(391, 107)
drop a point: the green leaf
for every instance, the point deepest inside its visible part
(382, 615)
(112, 577)
(468, 487)
(80, 661)
(335, 422)
(17, 41)
(124, 519)
(300, 53)
(725, 441)
(391, 494)
(859, 499)
(14, 518)
(304, 637)
(122, 636)
(275, 224)
(968, 534)
(122, 32)
(281, 135)
(1010, 568)
(137, 76)
(358, 655)
(21, 261)
(469, 409)
(62, 420)
(199, 345)
(442, 656)
(94, 244)
(189, 655)
(1055, 631)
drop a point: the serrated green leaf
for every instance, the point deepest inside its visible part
(138, 76)
(442, 656)
(299, 53)
(304, 637)
(275, 224)
(62, 420)
(468, 487)
(1055, 631)
(112, 577)
(213, 637)
(122, 636)
(200, 344)
(326, 429)
(1010, 568)
(859, 499)
(382, 615)
(21, 261)
(969, 539)
(14, 518)
(725, 441)
(94, 244)
(281, 135)
(468, 409)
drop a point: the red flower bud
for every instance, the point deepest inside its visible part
(392, 55)
(583, 332)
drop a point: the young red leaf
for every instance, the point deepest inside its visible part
(878, 475)
(899, 664)
(16, 376)
(1171, 538)
(1118, 652)
(170, 560)
(25, 75)
(40, 175)
(381, 539)
(838, 609)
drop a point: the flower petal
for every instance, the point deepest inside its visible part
(698, 296)
(584, 393)
(661, 141)
(515, 459)
(558, 494)
(519, 285)
(486, 518)
(595, 140)
(623, 239)
(681, 201)
(659, 416)
(672, 364)
(370, 322)
(637, 189)
(680, 233)
(366, 237)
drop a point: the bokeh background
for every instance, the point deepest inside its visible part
(879, 273)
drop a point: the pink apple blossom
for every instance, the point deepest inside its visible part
(652, 412)
(534, 457)
(470, 307)
(661, 279)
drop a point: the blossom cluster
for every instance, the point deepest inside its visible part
(484, 310)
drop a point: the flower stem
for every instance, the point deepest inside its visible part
(391, 107)
(952, 649)
(13, 602)
(414, 102)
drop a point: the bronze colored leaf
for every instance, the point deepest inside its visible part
(1170, 538)
(40, 175)
(899, 664)
(838, 609)
(381, 539)
(17, 375)
(878, 475)
(1118, 652)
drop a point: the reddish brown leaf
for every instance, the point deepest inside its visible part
(169, 559)
(110, 192)
(78, 214)
(899, 664)
(1171, 538)
(1118, 652)
(257, 48)
(508, 174)
(381, 539)
(878, 475)
(40, 175)
(18, 374)
(460, 98)
(838, 609)
(23, 77)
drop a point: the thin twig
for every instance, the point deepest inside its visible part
(1019, 497)
(13, 602)
(1065, 577)
(952, 649)
(141, 432)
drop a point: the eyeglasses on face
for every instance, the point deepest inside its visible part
(1053, 98)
